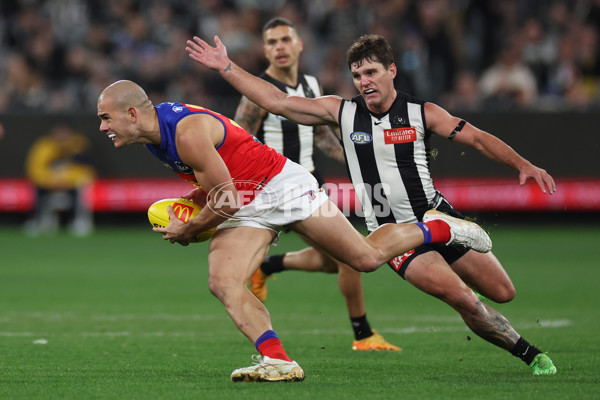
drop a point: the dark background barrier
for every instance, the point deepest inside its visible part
(565, 144)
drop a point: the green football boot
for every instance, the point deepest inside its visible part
(542, 365)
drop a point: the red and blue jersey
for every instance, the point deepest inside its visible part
(250, 163)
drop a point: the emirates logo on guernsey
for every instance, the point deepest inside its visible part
(400, 135)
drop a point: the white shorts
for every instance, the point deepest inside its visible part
(291, 196)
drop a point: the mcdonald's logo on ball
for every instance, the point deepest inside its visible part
(185, 210)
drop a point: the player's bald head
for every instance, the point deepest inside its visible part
(124, 94)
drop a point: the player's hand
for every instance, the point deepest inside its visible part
(198, 196)
(543, 179)
(175, 231)
(207, 55)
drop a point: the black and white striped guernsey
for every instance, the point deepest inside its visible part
(286, 137)
(387, 157)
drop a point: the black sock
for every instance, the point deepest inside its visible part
(525, 351)
(272, 264)
(361, 327)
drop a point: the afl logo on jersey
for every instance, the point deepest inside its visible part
(177, 109)
(361, 137)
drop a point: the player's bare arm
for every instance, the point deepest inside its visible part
(197, 136)
(249, 115)
(304, 111)
(329, 143)
(442, 123)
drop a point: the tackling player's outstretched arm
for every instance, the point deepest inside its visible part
(304, 111)
(439, 121)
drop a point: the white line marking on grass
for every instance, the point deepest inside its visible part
(559, 323)
(543, 324)
(55, 316)
(22, 334)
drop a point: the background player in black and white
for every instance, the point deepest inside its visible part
(394, 153)
(282, 47)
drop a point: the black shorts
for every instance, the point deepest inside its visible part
(451, 253)
(318, 177)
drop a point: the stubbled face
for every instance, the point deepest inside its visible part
(114, 123)
(375, 83)
(282, 46)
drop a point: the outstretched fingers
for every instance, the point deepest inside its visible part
(543, 179)
(546, 181)
(194, 50)
(207, 55)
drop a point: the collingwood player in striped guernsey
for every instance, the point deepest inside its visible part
(385, 136)
(282, 47)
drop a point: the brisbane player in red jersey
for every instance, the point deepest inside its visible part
(252, 193)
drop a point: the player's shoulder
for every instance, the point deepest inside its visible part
(313, 84)
(170, 107)
(409, 98)
(308, 76)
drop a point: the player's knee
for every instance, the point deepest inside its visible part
(226, 288)
(215, 287)
(505, 294)
(365, 264)
(501, 292)
(219, 286)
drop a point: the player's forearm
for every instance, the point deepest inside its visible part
(207, 219)
(333, 152)
(219, 209)
(215, 57)
(495, 149)
(326, 141)
(255, 89)
(249, 116)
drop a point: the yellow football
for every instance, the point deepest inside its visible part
(184, 210)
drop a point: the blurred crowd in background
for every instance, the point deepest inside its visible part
(57, 55)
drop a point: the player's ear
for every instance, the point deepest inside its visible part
(300, 44)
(393, 70)
(132, 113)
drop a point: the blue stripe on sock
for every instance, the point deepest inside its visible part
(426, 232)
(270, 334)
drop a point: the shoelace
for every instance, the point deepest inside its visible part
(257, 359)
(543, 362)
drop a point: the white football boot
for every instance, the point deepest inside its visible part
(266, 369)
(463, 232)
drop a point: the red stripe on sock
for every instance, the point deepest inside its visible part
(440, 231)
(274, 349)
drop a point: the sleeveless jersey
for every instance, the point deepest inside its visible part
(387, 157)
(250, 163)
(286, 137)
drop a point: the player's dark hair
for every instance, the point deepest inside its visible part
(277, 21)
(373, 48)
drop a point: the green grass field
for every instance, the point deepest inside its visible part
(124, 315)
